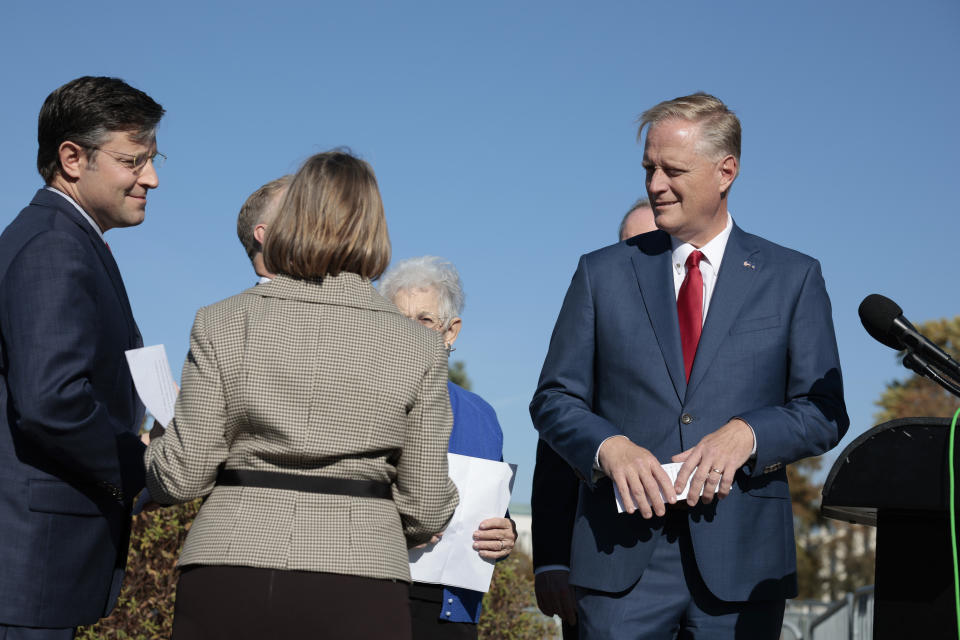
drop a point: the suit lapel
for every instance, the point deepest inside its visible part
(653, 269)
(49, 198)
(738, 272)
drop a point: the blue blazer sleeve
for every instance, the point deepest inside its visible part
(49, 304)
(562, 406)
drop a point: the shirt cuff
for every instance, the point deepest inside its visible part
(753, 452)
(597, 471)
(551, 567)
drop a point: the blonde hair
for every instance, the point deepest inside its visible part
(331, 220)
(255, 211)
(719, 126)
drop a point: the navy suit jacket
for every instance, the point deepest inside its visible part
(70, 458)
(767, 354)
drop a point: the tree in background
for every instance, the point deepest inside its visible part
(805, 497)
(458, 375)
(916, 396)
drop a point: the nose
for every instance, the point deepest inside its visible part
(656, 182)
(148, 177)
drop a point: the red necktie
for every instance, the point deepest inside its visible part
(690, 310)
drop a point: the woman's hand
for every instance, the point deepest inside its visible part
(495, 538)
(434, 540)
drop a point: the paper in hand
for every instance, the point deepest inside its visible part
(484, 487)
(154, 381)
(672, 469)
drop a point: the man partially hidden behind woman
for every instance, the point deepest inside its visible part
(316, 419)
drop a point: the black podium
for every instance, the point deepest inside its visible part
(894, 477)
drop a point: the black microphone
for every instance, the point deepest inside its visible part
(883, 319)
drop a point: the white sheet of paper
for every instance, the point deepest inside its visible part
(484, 487)
(672, 469)
(154, 381)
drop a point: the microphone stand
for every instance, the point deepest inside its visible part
(921, 367)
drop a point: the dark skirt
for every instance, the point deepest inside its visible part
(228, 602)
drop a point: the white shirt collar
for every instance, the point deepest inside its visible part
(264, 280)
(712, 251)
(86, 217)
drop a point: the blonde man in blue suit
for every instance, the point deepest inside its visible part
(701, 344)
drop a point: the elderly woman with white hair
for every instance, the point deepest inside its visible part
(427, 289)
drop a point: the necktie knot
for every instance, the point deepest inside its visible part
(693, 260)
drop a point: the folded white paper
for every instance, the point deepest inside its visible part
(484, 487)
(154, 381)
(672, 469)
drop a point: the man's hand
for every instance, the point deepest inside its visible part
(495, 538)
(555, 595)
(638, 476)
(714, 459)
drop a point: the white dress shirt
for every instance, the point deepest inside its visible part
(709, 268)
(86, 217)
(709, 265)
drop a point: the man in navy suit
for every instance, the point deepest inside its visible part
(701, 344)
(71, 462)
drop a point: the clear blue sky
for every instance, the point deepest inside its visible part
(503, 138)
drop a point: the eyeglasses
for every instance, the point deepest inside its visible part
(137, 162)
(430, 321)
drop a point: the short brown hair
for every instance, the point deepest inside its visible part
(331, 220)
(719, 126)
(254, 211)
(85, 111)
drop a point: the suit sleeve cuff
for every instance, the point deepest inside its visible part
(551, 567)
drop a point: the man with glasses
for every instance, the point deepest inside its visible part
(71, 462)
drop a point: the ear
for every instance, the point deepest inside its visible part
(73, 158)
(260, 232)
(728, 169)
(452, 331)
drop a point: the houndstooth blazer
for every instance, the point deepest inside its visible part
(315, 378)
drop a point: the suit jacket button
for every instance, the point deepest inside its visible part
(686, 418)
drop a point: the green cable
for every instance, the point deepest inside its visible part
(953, 520)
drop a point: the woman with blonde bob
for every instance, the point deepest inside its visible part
(314, 417)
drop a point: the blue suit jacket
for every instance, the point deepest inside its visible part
(767, 354)
(70, 459)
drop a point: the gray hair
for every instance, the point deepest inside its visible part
(719, 126)
(642, 203)
(427, 272)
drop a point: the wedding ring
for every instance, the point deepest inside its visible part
(720, 471)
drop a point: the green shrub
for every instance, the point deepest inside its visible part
(145, 608)
(510, 606)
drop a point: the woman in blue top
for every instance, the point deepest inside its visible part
(428, 290)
